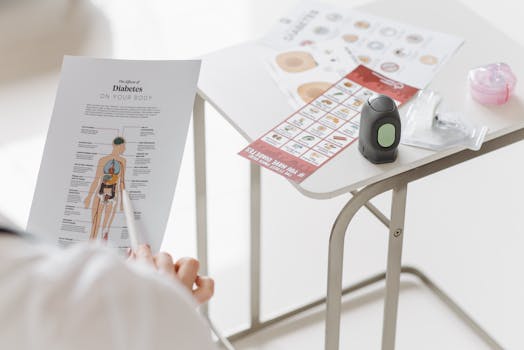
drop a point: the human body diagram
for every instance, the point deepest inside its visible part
(105, 192)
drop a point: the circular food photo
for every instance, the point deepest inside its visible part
(295, 61)
(414, 38)
(362, 24)
(350, 38)
(334, 17)
(320, 30)
(430, 60)
(388, 31)
(366, 93)
(308, 138)
(389, 67)
(364, 59)
(375, 45)
(309, 91)
(333, 119)
(401, 52)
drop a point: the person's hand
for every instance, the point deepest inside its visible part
(87, 201)
(185, 270)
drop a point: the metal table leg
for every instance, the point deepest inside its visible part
(199, 141)
(336, 260)
(394, 269)
(406, 270)
(254, 262)
(336, 242)
(396, 234)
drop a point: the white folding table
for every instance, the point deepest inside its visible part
(236, 83)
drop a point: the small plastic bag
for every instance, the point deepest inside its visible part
(428, 124)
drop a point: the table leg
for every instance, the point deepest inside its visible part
(199, 142)
(336, 258)
(255, 202)
(396, 234)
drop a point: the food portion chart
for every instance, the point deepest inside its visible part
(320, 130)
(318, 43)
(117, 124)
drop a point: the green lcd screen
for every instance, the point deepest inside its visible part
(386, 135)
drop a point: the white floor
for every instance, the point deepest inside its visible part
(424, 322)
(463, 224)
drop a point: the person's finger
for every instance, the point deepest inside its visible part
(187, 270)
(205, 289)
(144, 254)
(164, 263)
(131, 256)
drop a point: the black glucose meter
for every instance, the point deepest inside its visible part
(379, 133)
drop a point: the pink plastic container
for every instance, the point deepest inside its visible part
(492, 84)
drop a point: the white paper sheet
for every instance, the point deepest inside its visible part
(400, 51)
(322, 64)
(115, 124)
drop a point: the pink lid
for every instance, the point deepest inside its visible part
(492, 83)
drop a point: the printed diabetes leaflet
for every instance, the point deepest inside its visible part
(116, 124)
(323, 128)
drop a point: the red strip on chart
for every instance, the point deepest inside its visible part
(317, 132)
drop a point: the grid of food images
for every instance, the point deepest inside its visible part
(314, 134)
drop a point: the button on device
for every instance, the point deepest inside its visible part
(382, 103)
(386, 135)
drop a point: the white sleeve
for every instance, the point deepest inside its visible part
(88, 298)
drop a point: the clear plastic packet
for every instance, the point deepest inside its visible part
(429, 124)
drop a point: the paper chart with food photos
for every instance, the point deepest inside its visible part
(306, 72)
(314, 31)
(320, 130)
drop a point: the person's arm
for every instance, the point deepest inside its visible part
(88, 298)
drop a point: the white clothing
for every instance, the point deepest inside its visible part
(87, 297)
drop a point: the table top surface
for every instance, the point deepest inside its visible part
(236, 82)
